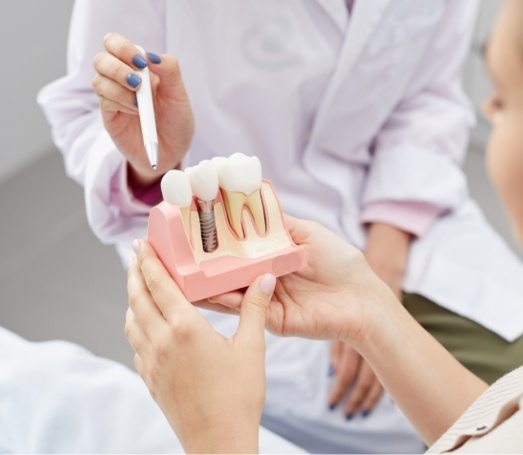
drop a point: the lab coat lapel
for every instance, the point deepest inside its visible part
(366, 15)
(337, 10)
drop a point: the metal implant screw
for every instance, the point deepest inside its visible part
(207, 226)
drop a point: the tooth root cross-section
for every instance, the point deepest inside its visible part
(234, 205)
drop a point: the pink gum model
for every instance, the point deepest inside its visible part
(222, 271)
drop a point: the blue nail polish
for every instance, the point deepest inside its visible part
(134, 80)
(331, 371)
(139, 61)
(332, 407)
(349, 416)
(365, 413)
(155, 58)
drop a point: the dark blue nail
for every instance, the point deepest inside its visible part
(139, 61)
(365, 413)
(134, 80)
(332, 407)
(349, 416)
(155, 58)
(331, 371)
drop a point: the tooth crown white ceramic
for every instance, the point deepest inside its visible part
(250, 231)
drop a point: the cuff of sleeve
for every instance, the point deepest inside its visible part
(415, 218)
(123, 197)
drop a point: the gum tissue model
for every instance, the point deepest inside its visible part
(220, 226)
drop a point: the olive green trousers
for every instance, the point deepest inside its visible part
(481, 351)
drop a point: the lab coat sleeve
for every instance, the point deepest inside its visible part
(72, 109)
(415, 174)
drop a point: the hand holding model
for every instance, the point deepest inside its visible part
(179, 354)
(116, 82)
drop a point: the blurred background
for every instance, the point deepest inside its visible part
(53, 271)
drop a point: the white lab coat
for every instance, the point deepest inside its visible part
(59, 398)
(342, 114)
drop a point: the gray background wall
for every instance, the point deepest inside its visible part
(33, 42)
(56, 279)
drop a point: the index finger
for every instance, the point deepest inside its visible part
(164, 291)
(123, 49)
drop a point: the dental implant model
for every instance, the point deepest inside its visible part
(220, 226)
(204, 183)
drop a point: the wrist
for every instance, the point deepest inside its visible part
(139, 179)
(378, 314)
(232, 439)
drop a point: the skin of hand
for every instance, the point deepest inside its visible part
(338, 296)
(387, 253)
(116, 81)
(334, 297)
(210, 388)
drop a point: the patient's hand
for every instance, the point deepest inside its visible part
(210, 388)
(335, 297)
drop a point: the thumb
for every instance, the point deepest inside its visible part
(254, 307)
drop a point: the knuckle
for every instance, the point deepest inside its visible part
(181, 331)
(160, 351)
(113, 41)
(97, 60)
(95, 83)
(154, 283)
(365, 383)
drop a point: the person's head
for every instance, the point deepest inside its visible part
(504, 108)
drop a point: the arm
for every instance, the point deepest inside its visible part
(91, 156)
(423, 142)
(431, 387)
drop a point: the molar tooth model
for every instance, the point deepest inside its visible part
(220, 226)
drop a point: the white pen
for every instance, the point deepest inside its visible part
(144, 98)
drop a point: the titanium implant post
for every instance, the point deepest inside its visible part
(207, 226)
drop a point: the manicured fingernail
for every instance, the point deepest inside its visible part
(267, 284)
(365, 413)
(134, 80)
(154, 58)
(349, 416)
(136, 246)
(331, 371)
(332, 407)
(139, 61)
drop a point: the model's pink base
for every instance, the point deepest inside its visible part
(216, 276)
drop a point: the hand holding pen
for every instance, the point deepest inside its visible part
(120, 72)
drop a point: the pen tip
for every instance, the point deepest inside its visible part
(154, 166)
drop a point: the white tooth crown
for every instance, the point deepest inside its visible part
(176, 188)
(240, 173)
(218, 161)
(204, 180)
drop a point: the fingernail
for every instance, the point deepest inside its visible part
(134, 80)
(332, 407)
(139, 61)
(331, 371)
(267, 284)
(136, 246)
(365, 413)
(349, 416)
(154, 58)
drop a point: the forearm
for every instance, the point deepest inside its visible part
(429, 385)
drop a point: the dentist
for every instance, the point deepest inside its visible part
(356, 110)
